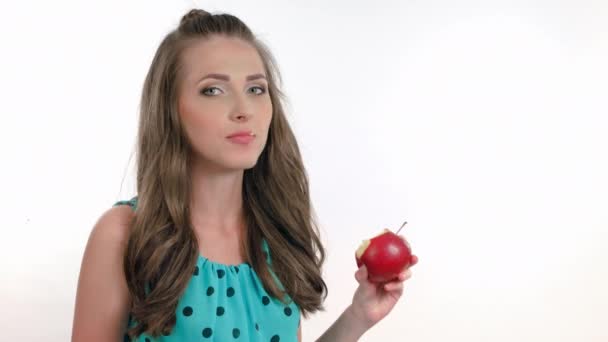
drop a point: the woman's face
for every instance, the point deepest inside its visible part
(223, 89)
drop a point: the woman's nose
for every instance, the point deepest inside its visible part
(242, 116)
(242, 108)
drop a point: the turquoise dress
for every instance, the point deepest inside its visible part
(228, 303)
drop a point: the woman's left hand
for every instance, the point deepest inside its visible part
(373, 301)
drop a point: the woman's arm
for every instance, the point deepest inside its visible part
(371, 303)
(346, 329)
(300, 333)
(102, 297)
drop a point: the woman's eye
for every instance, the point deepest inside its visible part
(262, 90)
(205, 91)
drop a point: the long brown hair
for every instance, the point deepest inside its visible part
(162, 249)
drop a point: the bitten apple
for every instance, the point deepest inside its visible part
(384, 255)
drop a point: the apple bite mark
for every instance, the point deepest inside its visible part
(362, 247)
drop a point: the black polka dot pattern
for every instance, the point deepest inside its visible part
(215, 288)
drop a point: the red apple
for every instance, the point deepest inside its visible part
(384, 255)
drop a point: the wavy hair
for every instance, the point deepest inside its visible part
(162, 249)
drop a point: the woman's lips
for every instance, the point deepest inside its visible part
(242, 139)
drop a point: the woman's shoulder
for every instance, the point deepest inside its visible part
(115, 222)
(101, 276)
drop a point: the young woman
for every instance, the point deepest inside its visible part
(220, 242)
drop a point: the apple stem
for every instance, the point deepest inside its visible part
(403, 225)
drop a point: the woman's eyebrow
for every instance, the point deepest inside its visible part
(227, 78)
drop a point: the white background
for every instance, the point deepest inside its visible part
(481, 123)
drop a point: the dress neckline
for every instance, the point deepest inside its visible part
(219, 264)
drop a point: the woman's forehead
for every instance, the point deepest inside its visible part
(223, 56)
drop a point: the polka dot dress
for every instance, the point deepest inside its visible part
(228, 303)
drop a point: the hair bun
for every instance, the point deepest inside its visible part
(194, 14)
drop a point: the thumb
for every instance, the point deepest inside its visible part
(361, 274)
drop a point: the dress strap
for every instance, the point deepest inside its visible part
(269, 261)
(266, 251)
(131, 203)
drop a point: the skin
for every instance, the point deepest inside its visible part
(210, 110)
(102, 300)
(371, 303)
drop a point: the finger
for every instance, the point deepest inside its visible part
(414, 260)
(405, 275)
(393, 286)
(361, 274)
